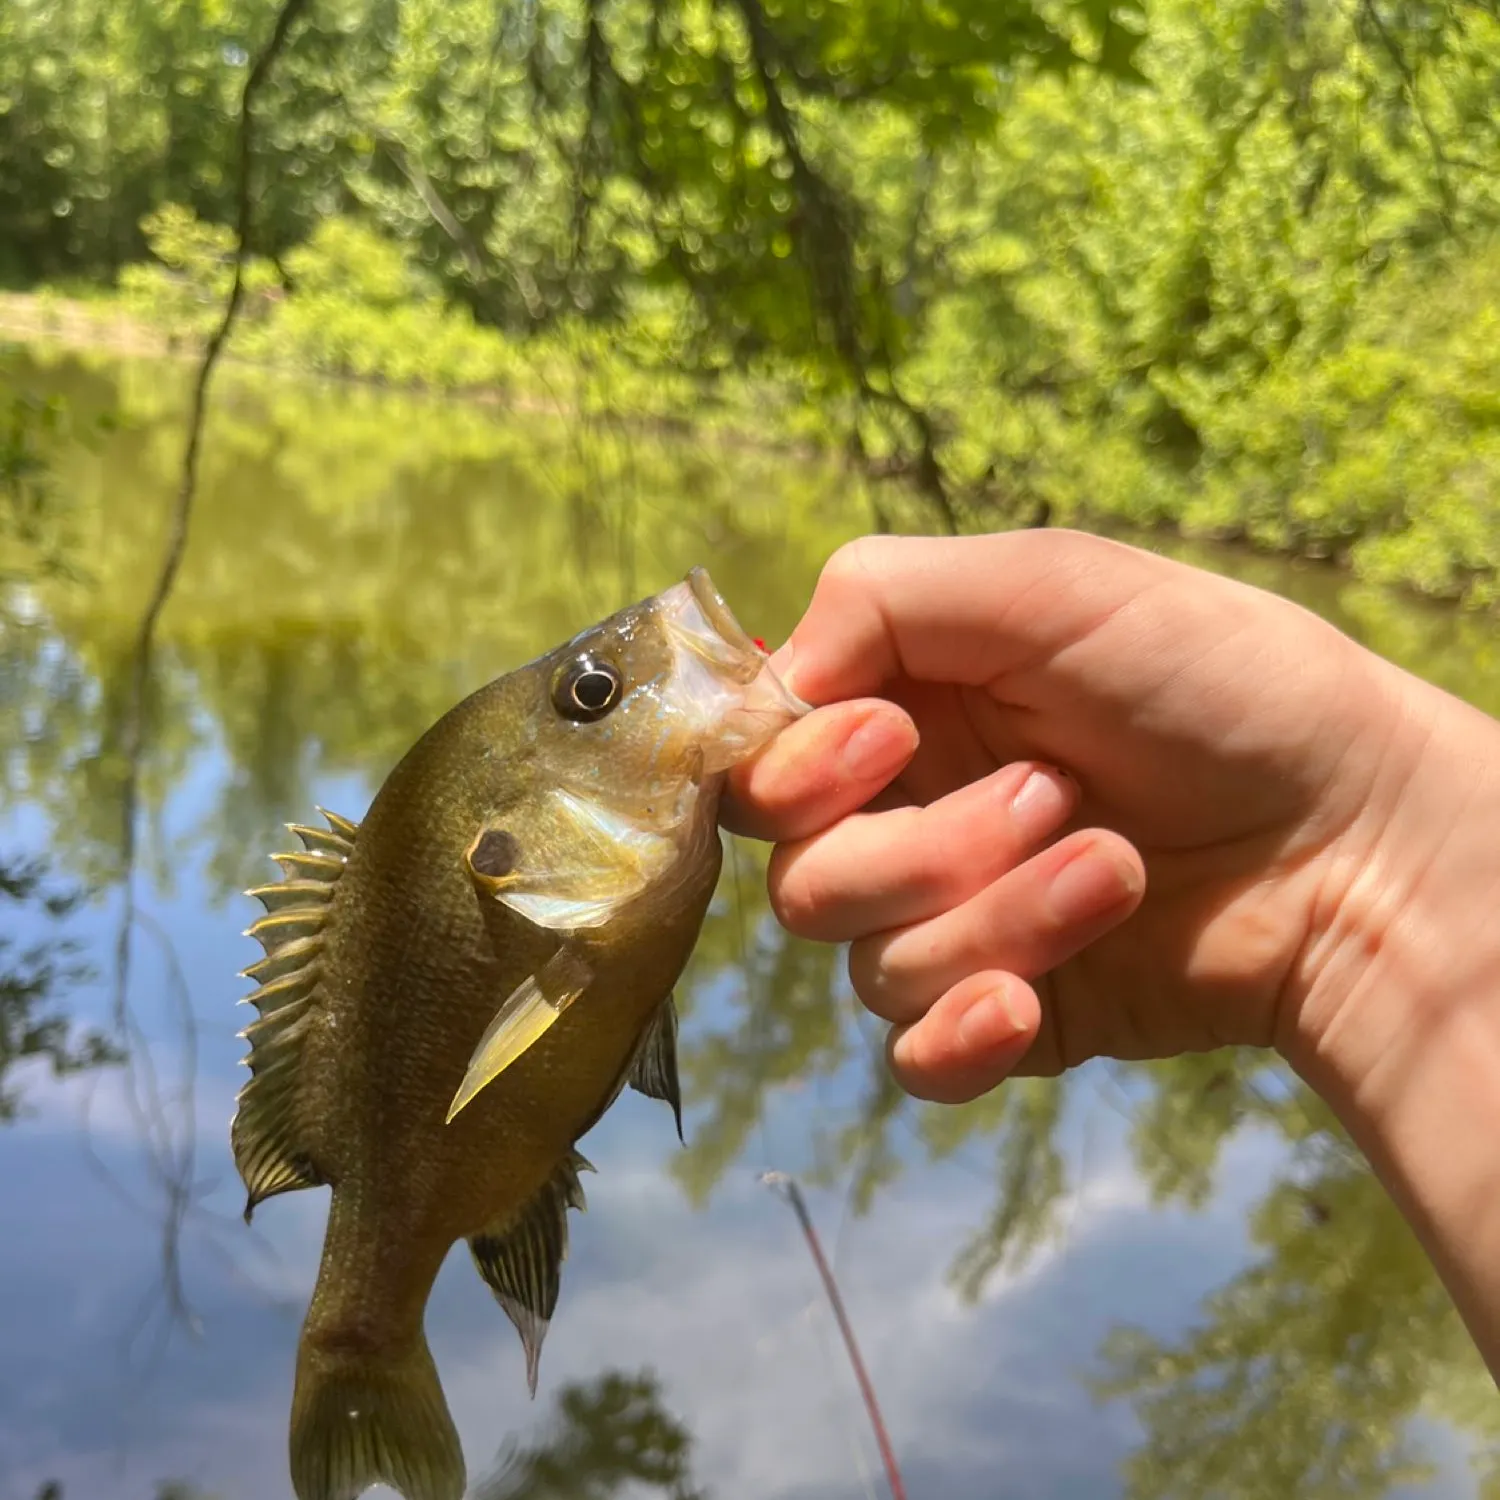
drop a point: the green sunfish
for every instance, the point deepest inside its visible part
(456, 989)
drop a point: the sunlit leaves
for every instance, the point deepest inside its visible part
(1043, 259)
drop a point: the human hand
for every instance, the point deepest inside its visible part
(1234, 765)
(1268, 836)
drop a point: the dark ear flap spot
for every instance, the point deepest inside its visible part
(494, 854)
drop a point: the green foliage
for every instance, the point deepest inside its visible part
(35, 537)
(108, 110)
(28, 424)
(362, 307)
(1385, 448)
(1228, 269)
(182, 290)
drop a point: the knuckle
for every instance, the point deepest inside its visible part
(872, 979)
(853, 565)
(797, 896)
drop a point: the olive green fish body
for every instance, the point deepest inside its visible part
(457, 989)
(422, 968)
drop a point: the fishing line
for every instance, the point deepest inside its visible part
(760, 1014)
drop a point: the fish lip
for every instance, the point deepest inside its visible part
(720, 616)
(722, 678)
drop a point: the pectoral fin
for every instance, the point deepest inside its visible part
(654, 1070)
(521, 1261)
(527, 1016)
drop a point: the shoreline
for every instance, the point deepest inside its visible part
(78, 324)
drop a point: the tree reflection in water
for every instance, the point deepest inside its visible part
(609, 1436)
(36, 975)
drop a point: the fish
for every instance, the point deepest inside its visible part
(457, 988)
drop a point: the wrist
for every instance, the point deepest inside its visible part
(1398, 1027)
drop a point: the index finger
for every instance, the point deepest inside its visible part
(818, 770)
(962, 610)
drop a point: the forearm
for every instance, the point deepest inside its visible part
(1401, 1028)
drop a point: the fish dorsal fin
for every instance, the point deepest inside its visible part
(654, 1069)
(268, 1149)
(521, 1259)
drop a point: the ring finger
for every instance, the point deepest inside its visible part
(1028, 921)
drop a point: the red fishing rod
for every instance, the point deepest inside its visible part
(787, 1186)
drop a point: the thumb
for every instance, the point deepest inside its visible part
(961, 610)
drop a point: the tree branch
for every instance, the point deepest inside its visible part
(826, 246)
(174, 1167)
(286, 17)
(443, 216)
(1409, 82)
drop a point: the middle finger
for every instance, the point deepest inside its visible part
(876, 870)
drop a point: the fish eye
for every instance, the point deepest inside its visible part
(587, 690)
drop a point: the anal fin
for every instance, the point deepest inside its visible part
(653, 1071)
(521, 1260)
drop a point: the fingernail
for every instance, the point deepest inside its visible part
(989, 1022)
(1041, 804)
(874, 750)
(1090, 886)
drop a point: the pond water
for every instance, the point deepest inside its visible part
(1145, 1282)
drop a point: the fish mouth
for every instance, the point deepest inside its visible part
(701, 622)
(719, 615)
(740, 702)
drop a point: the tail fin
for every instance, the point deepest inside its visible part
(360, 1422)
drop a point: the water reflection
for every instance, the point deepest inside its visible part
(609, 1436)
(1191, 1243)
(37, 978)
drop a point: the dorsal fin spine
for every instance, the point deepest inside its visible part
(266, 1134)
